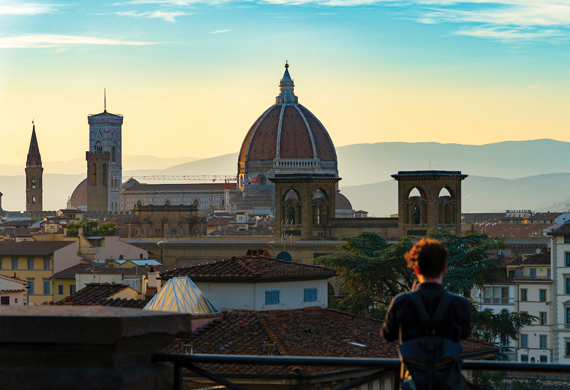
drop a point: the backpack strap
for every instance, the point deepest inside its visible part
(422, 312)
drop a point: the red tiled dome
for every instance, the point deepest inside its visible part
(301, 136)
(285, 131)
(79, 196)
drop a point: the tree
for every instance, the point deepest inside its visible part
(373, 271)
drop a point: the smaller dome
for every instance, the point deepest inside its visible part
(79, 197)
(342, 202)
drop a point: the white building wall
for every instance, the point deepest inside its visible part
(229, 296)
(534, 306)
(251, 296)
(561, 299)
(291, 294)
(113, 247)
(65, 257)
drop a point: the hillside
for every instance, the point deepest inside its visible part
(480, 194)
(491, 168)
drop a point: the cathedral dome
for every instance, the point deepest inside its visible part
(286, 138)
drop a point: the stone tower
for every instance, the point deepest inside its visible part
(436, 205)
(304, 205)
(104, 162)
(34, 172)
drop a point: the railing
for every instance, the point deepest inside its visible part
(189, 361)
(496, 301)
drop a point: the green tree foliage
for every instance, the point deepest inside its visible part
(373, 271)
(108, 228)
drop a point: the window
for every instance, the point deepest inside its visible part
(543, 318)
(548, 273)
(511, 274)
(532, 360)
(46, 287)
(567, 257)
(310, 294)
(5, 301)
(60, 289)
(567, 285)
(543, 342)
(567, 351)
(272, 297)
(523, 294)
(543, 359)
(524, 358)
(30, 264)
(567, 239)
(542, 295)
(72, 289)
(533, 273)
(524, 341)
(31, 284)
(14, 263)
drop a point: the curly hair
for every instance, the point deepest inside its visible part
(429, 256)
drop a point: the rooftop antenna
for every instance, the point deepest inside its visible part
(105, 100)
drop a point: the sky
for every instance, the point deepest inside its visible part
(191, 76)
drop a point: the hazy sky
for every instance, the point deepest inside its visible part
(191, 76)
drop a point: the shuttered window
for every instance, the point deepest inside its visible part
(272, 297)
(310, 294)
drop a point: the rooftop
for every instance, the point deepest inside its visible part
(307, 332)
(32, 248)
(538, 259)
(98, 294)
(252, 267)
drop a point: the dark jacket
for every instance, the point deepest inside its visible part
(455, 326)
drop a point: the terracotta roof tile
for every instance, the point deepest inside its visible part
(92, 293)
(11, 291)
(32, 248)
(254, 267)
(315, 332)
(564, 229)
(540, 258)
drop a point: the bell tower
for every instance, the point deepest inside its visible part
(429, 199)
(34, 173)
(304, 205)
(104, 162)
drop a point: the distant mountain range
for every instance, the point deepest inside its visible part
(515, 174)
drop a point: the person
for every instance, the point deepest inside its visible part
(428, 259)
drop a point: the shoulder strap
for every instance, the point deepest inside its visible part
(439, 312)
(420, 309)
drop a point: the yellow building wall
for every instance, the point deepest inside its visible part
(38, 275)
(541, 271)
(66, 283)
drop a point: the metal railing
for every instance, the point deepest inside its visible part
(189, 362)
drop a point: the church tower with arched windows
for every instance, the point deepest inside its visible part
(104, 162)
(34, 173)
(429, 199)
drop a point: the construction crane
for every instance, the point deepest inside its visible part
(226, 178)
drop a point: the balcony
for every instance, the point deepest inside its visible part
(496, 301)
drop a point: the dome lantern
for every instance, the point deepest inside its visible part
(286, 89)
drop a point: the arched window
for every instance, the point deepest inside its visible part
(167, 202)
(99, 147)
(33, 183)
(113, 153)
(139, 202)
(415, 192)
(291, 194)
(33, 200)
(196, 202)
(444, 192)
